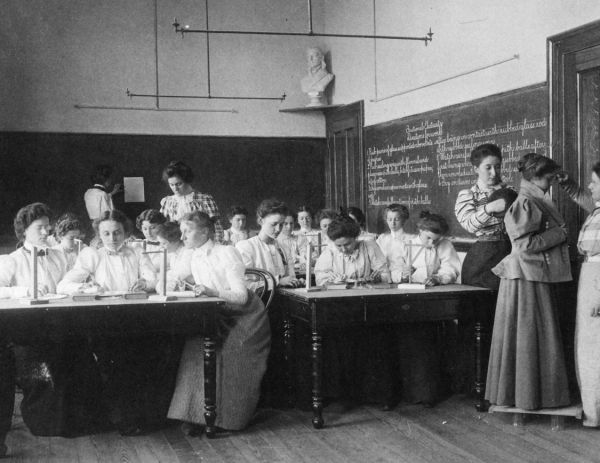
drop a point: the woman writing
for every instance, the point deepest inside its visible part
(527, 366)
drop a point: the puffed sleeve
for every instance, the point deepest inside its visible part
(324, 267)
(378, 261)
(527, 233)
(246, 252)
(470, 217)
(8, 267)
(164, 207)
(449, 263)
(85, 265)
(231, 259)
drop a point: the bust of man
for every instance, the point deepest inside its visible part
(317, 79)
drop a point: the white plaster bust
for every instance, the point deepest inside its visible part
(317, 79)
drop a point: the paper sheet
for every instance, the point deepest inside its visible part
(134, 189)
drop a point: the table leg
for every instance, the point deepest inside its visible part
(210, 385)
(7, 392)
(317, 393)
(288, 349)
(481, 339)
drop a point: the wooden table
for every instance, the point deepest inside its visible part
(339, 308)
(118, 317)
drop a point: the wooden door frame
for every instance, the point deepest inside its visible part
(564, 136)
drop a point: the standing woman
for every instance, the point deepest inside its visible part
(184, 199)
(527, 366)
(587, 327)
(477, 214)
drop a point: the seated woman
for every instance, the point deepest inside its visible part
(288, 240)
(359, 217)
(238, 231)
(263, 251)
(58, 377)
(362, 352)
(138, 373)
(218, 271)
(69, 234)
(148, 222)
(390, 243)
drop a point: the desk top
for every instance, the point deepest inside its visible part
(434, 291)
(68, 303)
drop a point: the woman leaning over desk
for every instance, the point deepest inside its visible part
(218, 271)
(56, 375)
(477, 214)
(587, 328)
(527, 366)
(138, 373)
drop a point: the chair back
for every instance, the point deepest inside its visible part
(264, 284)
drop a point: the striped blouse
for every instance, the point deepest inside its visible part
(470, 213)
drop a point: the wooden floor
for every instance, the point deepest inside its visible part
(451, 432)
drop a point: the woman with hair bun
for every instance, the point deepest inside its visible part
(527, 367)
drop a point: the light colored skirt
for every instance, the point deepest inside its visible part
(587, 342)
(527, 366)
(241, 364)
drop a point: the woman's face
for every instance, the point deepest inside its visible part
(37, 232)
(324, 225)
(191, 235)
(170, 246)
(394, 221)
(271, 225)
(149, 230)
(238, 222)
(346, 244)
(178, 186)
(288, 226)
(429, 239)
(544, 182)
(594, 187)
(488, 171)
(304, 220)
(69, 239)
(112, 234)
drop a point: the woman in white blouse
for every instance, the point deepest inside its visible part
(263, 251)
(138, 372)
(58, 378)
(217, 270)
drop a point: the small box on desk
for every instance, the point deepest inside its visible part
(136, 295)
(412, 286)
(336, 286)
(83, 297)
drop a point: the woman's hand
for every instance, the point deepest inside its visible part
(290, 282)
(595, 312)
(562, 177)
(139, 285)
(433, 280)
(495, 206)
(200, 290)
(375, 276)
(42, 290)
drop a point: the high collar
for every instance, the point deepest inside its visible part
(530, 189)
(206, 248)
(481, 187)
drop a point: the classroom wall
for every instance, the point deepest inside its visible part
(468, 34)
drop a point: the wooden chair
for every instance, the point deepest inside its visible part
(264, 283)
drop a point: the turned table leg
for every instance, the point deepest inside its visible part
(210, 385)
(317, 393)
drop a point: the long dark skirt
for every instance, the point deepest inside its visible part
(61, 388)
(527, 366)
(479, 261)
(138, 378)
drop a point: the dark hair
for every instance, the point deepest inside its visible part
(536, 165)
(66, 223)
(293, 215)
(326, 214)
(483, 151)
(101, 174)
(150, 215)
(237, 210)
(395, 207)
(179, 169)
(358, 215)
(433, 223)
(169, 231)
(343, 227)
(115, 216)
(306, 209)
(201, 219)
(507, 194)
(271, 206)
(27, 215)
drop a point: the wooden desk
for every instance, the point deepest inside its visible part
(119, 317)
(338, 308)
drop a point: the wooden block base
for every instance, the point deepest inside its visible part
(34, 301)
(161, 298)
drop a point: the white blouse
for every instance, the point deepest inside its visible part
(258, 254)
(15, 271)
(70, 255)
(441, 261)
(113, 271)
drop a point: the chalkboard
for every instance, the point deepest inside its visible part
(55, 168)
(422, 161)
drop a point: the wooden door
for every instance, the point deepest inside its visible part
(345, 169)
(574, 77)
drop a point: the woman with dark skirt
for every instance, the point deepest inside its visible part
(527, 366)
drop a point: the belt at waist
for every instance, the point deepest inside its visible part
(492, 238)
(594, 258)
